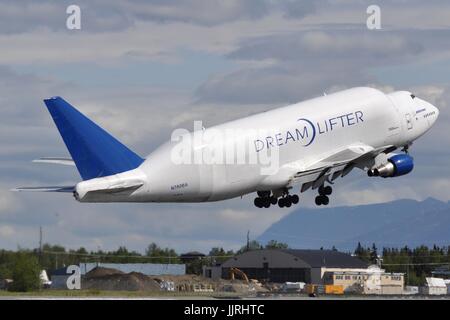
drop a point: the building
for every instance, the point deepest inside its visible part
(372, 280)
(5, 283)
(59, 278)
(411, 290)
(447, 283)
(193, 261)
(214, 272)
(288, 265)
(191, 256)
(441, 272)
(434, 286)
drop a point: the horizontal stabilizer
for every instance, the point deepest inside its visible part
(46, 189)
(54, 160)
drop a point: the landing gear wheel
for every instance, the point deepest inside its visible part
(266, 203)
(258, 202)
(321, 190)
(318, 200)
(322, 200)
(325, 191)
(273, 200)
(288, 202)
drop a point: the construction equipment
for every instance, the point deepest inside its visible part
(334, 289)
(323, 289)
(234, 271)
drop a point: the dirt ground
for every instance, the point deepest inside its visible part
(111, 279)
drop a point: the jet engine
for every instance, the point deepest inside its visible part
(397, 165)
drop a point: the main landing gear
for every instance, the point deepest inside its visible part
(265, 199)
(288, 200)
(324, 192)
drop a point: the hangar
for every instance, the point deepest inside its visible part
(283, 265)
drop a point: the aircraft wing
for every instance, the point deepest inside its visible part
(335, 164)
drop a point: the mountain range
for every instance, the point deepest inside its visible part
(392, 224)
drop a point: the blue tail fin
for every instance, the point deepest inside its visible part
(95, 152)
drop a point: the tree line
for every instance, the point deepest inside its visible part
(24, 265)
(416, 263)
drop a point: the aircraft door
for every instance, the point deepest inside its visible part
(409, 124)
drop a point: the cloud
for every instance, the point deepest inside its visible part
(304, 64)
(8, 202)
(106, 16)
(148, 41)
(6, 231)
(182, 226)
(281, 84)
(140, 116)
(330, 44)
(280, 52)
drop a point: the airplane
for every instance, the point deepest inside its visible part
(312, 144)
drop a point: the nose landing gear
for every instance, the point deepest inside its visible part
(324, 192)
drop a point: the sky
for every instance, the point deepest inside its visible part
(141, 69)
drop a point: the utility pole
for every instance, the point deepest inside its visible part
(407, 273)
(248, 240)
(40, 244)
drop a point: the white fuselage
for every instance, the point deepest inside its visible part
(298, 134)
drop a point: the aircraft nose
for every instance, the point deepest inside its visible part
(436, 110)
(430, 112)
(433, 114)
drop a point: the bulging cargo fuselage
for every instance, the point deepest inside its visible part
(268, 148)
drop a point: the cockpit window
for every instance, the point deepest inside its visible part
(412, 96)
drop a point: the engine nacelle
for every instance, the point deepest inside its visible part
(397, 165)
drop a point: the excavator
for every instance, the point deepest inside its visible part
(235, 271)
